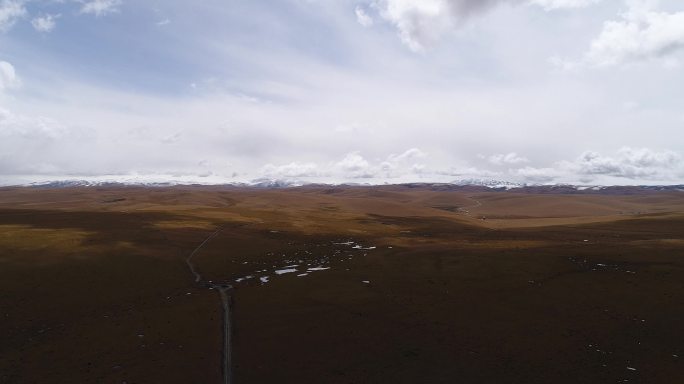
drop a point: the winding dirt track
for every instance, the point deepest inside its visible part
(466, 210)
(188, 261)
(224, 293)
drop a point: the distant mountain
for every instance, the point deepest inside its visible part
(489, 183)
(598, 189)
(71, 184)
(92, 183)
(473, 185)
(275, 183)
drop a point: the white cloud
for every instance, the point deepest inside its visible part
(292, 170)
(45, 23)
(162, 23)
(355, 166)
(468, 172)
(635, 164)
(410, 154)
(352, 166)
(550, 5)
(32, 128)
(508, 158)
(536, 175)
(101, 7)
(421, 24)
(8, 76)
(363, 18)
(394, 166)
(403, 163)
(312, 105)
(629, 163)
(10, 12)
(173, 138)
(642, 33)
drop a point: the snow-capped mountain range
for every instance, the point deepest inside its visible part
(482, 184)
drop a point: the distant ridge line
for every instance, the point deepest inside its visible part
(473, 185)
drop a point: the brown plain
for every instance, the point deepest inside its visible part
(461, 287)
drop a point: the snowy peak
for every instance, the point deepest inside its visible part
(470, 184)
(489, 183)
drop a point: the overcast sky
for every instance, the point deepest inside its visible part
(368, 91)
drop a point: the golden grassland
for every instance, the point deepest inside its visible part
(444, 287)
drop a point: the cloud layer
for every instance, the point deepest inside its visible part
(8, 77)
(642, 33)
(421, 24)
(626, 166)
(10, 12)
(45, 23)
(550, 5)
(364, 91)
(101, 7)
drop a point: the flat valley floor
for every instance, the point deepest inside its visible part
(396, 284)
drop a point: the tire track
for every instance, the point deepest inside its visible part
(466, 210)
(188, 261)
(224, 291)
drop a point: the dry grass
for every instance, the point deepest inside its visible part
(549, 288)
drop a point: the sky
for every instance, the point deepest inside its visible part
(356, 91)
